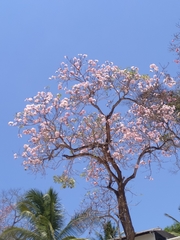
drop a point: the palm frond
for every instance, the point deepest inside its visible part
(54, 211)
(99, 236)
(77, 225)
(74, 238)
(20, 234)
(169, 216)
(44, 213)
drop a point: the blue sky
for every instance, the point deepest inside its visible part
(35, 36)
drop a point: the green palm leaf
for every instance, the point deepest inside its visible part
(45, 216)
(109, 232)
(20, 234)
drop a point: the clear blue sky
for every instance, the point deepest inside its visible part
(35, 36)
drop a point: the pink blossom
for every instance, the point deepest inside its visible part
(64, 103)
(56, 134)
(169, 81)
(154, 67)
(92, 100)
(142, 162)
(136, 166)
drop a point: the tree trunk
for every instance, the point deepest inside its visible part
(124, 214)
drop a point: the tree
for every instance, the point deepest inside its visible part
(174, 228)
(8, 213)
(109, 232)
(111, 120)
(45, 217)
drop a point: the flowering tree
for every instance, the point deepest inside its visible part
(113, 120)
(9, 216)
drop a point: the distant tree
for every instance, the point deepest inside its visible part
(45, 217)
(109, 232)
(114, 121)
(175, 227)
(9, 215)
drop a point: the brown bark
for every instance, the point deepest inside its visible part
(124, 214)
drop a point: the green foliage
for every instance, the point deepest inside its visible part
(109, 232)
(65, 181)
(174, 228)
(46, 219)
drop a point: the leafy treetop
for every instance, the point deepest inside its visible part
(113, 120)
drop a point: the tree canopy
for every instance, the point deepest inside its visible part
(112, 120)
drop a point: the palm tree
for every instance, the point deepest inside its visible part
(45, 217)
(109, 232)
